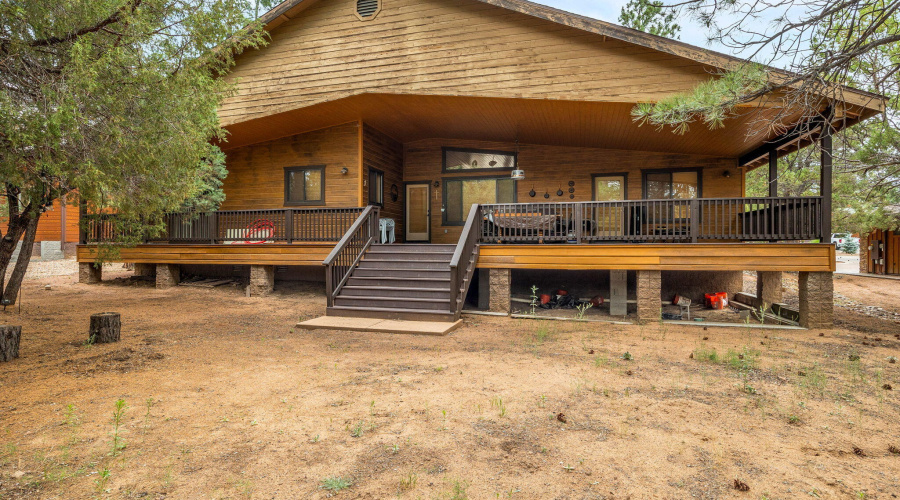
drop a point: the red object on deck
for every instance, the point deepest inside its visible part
(545, 299)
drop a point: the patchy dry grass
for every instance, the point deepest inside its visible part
(225, 401)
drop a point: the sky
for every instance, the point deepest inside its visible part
(608, 10)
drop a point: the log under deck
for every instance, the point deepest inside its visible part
(812, 257)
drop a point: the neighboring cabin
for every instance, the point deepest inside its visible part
(415, 111)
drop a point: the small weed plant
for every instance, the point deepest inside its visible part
(336, 483)
(118, 443)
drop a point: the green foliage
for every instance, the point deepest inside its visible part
(336, 483)
(705, 354)
(117, 100)
(650, 16)
(710, 102)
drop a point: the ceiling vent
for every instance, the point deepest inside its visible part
(366, 10)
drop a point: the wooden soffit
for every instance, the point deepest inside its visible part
(606, 125)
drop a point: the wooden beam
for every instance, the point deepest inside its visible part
(797, 133)
(773, 173)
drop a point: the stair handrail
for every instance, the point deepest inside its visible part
(466, 250)
(345, 256)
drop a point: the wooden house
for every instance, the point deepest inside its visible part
(497, 137)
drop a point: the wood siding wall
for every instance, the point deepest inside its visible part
(384, 153)
(256, 173)
(450, 47)
(549, 168)
(50, 225)
(890, 253)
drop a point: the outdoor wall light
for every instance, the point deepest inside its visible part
(726, 174)
(344, 171)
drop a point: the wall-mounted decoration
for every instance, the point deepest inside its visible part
(532, 193)
(571, 183)
(571, 190)
(559, 192)
(395, 192)
(571, 196)
(547, 194)
(437, 184)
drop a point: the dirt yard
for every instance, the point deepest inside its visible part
(225, 400)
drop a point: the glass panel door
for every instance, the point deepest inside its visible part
(609, 219)
(418, 212)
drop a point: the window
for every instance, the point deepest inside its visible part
(671, 184)
(304, 185)
(461, 194)
(610, 187)
(475, 160)
(376, 187)
(366, 10)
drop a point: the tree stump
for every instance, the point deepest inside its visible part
(105, 328)
(9, 342)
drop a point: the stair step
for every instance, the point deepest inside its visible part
(430, 283)
(391, 313)
(404, 264)
(408, 256)
(396, 291)
(393, 302)
(411, 248)
(401, 273)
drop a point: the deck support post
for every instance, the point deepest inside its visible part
(262, 281)
(649, 296)
(825, 182)
(816, 299)
(618, 292)
(89, 274)
(768, 288)
(499, 290)
(773, 173)
(167, 275)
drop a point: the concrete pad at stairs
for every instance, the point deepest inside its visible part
(379, 325)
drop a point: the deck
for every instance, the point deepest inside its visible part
(725, 234)
(647, 256)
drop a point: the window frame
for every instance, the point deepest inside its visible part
(287, 186)
(671, 171)
(445, 149)
(623, 175)
(445, 180)
(369, 180)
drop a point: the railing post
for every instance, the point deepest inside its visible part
(695, 220)
(578, 216)
(211, 223)
(289, 225)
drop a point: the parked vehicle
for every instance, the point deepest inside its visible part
(845, 242)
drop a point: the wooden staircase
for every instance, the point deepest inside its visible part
(416, 282)
(399, 282)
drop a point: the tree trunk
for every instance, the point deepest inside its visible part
(11, 292)
(105, 328)
(15, 228)
(9, 342)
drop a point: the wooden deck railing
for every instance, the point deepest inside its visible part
(462, 264)
(349, 251)
(287, 225)
(740, 219)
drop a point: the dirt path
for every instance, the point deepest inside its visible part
(227, 401)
